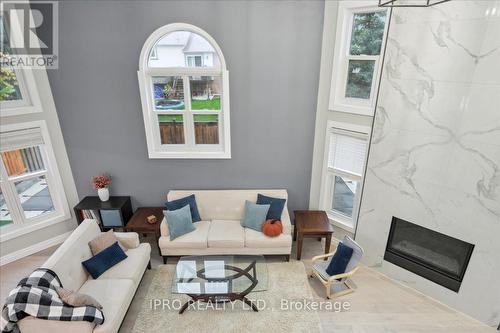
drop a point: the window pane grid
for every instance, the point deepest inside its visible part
(367, 33)
(346, 152)
(9, 85)
(194, 120)
(34, 196)
(205, 92)
(171, 128)
(25, 194)
(5, 216)
(168, 92)
(344, 195)
(23, 161)
(359, 78)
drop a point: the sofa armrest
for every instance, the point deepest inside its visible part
(164, 228)
(285, 221)
(34, 325)
(128, 239)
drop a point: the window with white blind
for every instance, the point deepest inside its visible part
(30, 185)
(345, 156)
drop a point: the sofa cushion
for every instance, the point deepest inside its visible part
(115, 297)
(130, 240)
(277, 205)
(224, 204)
(179, 222)
(103, 241)
(181, 202)
(131, 268)
(104, 260)
(76, 299)
(255, 215)
(225, 233)
(256, 239)
(196, 239)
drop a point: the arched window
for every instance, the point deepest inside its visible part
(184, 89)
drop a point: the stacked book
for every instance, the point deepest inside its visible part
(91, 214)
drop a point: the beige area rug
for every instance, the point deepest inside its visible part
(287, 281)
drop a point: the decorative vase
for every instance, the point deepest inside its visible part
(103, 193)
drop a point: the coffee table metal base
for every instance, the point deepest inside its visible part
(229, 297)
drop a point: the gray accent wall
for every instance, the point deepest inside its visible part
(272, 50)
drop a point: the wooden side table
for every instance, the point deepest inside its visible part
(139, 224)
(311, 223)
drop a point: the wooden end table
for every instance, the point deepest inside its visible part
(139, 224)
(311, 223)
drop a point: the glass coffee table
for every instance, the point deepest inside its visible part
(219, 278)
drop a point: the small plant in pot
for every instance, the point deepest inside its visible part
(101, 184)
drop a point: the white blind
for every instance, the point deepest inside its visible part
(347, 152)
(25, 138)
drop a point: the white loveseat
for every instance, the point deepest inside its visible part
(114, 289)
(220, 230)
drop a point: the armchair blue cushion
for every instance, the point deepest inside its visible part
(339, 260)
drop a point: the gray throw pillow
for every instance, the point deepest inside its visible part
(255, 215)
(76, 299)
(179, 222)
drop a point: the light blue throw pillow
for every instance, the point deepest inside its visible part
(255, 215)
(179, 221)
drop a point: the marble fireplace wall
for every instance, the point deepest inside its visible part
(435, 152)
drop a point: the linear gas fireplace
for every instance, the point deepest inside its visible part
(430, 254)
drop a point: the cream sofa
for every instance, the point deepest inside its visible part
(220, 230)
(114, 289)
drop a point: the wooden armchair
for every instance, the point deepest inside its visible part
(339, 283)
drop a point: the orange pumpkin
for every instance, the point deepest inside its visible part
(272, 228)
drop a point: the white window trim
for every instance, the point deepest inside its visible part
(327, 176)
(194, 55)
(61, 213)
(30, 102)
(186, 151)
(338, 101)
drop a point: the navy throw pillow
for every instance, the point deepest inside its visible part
(340, 260)
(179, 203)
(104, 260)
(276, 208)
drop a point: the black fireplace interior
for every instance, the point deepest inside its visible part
(428, 253)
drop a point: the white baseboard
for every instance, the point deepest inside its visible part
(16, 255)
